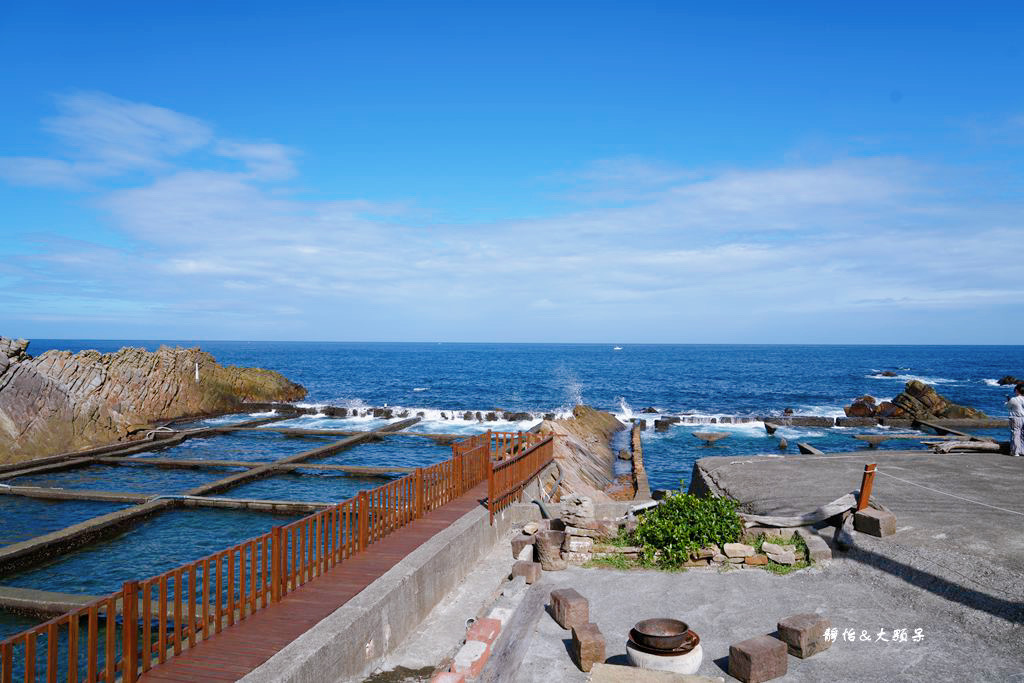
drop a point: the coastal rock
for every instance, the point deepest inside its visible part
(518, 417)
(1009, 379)
(887, 373)
(60, 401)
(917, 401)
(862, 407)
(583, 451)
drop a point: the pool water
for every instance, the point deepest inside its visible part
(308, 486)
(391, 451)
(23, 518)
(248, 446)
(132, 478)
(162, 542)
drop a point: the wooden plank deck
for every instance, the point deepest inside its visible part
(241, 648)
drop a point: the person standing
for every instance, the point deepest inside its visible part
(1016, 405)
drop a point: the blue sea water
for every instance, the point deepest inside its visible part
(444, 379)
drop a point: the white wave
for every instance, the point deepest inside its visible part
(420, 388)
(625, 413)
(267, 413)
(993, 383)
(907, 378)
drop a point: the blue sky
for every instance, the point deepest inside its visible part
(630, 172)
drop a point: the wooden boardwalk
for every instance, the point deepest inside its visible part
(238, 650)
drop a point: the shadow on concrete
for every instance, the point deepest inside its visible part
(621, 660)
(969, 597)
(723, 664)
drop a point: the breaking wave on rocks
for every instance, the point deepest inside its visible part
(919, 378)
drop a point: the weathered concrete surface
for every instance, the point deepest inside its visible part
(946, 526)
(727, 607)
(62, 401)
(355, 639)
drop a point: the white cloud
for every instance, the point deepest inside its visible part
(731, 249)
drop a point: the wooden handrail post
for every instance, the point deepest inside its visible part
(129, 631)
(419, 492)
(276, 560)
(364, 520)
(490, 489)
(866, 482)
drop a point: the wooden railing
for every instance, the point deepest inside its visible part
(506, 478)
(140, 626)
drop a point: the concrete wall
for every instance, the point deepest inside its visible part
(351, 642)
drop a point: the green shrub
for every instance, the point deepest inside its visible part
(683, 524)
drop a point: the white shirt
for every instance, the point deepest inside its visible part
(1016, 406)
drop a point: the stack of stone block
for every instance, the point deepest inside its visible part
(572, 612)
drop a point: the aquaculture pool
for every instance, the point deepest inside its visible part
(309, 486)
(249, 446)
(133, 478)
(393, 451)
(162, 542)
(23, 518)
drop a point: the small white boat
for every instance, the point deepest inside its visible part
(617, 348)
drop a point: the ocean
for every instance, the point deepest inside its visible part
(445, 379)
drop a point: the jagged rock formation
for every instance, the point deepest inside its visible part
(62, 401)
(918, 400)
(584, 452)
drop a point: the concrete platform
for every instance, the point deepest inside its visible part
(724, 608)
(945, 505)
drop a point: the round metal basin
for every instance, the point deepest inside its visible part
(663, 634)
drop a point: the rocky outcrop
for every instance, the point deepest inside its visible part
(917, 401)
(584, 452)
(1008, 380)
(61, 401)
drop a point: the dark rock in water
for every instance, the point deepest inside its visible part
(714, 420)
(921, 401)
(1010, 379)
(624, 455)
(549, 416)
(518, 417)
(888, 373)
(672, 419)
(642, 424)
(331, 411)
(443, 416)
(783, 444)
(770, 428)
(421, 414)
(468, 415)
(661, 425)
(650, 409)
(725, 420)
(479, 417)
(61, 401)
(385, 413)
(404, 413)
(787, 411)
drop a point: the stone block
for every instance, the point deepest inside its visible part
(719, 559)
(769, 548)
(569, 608)
(758, 659)
(756, 560)
(695, 563)
(528, 570)
(738, 550)
(580, 531)
(521, 541)
(874, 522)
(576, 558)
(787, 558)
(527, 554)
(470, 658)
(587, 645)
(577, 544)
(817, 547)
(485, 630)
(804, 634)
(549, 550)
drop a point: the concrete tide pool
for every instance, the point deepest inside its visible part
(251, 446)
(163, 542)
(23, 518)
(133, 478)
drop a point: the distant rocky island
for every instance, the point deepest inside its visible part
(60, 401)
